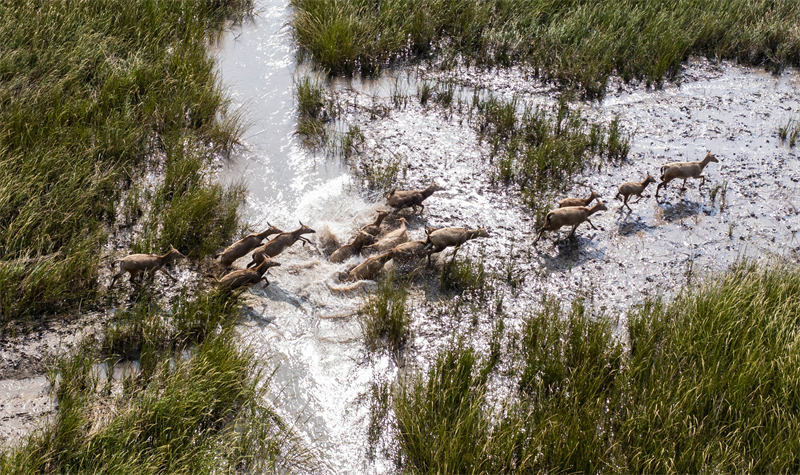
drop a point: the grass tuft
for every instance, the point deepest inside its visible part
(540, 150)
(384, 319)
(790, 132)
(459, 275)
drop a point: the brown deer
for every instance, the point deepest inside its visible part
(633, 188)
(375, 227)
(572, 216)
(390, 240)
(439, 239)
(408, 251)
(684, 170)
(135, 264)
(245, 245)
(578, 201)
(243, 277)
(353, 247)
(367, 270)
(411, 198)
(279, 243)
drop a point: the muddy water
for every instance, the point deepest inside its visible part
(309, 333)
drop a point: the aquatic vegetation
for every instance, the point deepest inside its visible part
(315, 108)
(540, 149)
(574, 44)
(459, 275)
(681, 398)
(385, 322)
(790, 132)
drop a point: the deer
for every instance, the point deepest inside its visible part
(279, 243)
(375, 227)
(243, 277)
(353, 247)
(442, 238)
(390, 240)
(135, 264)
(367, 270)
(245, 245)
(633, 188)
(578, 201)
(571, 216)
(410, 198)
(684, 170)
(409, 251)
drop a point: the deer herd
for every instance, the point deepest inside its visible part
(386, 238)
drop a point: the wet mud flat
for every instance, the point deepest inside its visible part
(25, 397)
(747, 208)
(311, 333)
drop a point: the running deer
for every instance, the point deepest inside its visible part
(684, 170)
(411, 198)
(135, 264)
(578, 201)
(245, 245)
(572, 216)
(353, 247)
(279, 243)
(633, 188)
(243, 277)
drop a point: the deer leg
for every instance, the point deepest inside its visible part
(662, 184)
(266, 282)
(683, 186)
(638, 199)
(624, 203)
(304, 241)
(114, 279)
(590, 223)
(164, 271)
(572, 233)
(702, 181)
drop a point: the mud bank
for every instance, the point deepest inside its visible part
(25, 398)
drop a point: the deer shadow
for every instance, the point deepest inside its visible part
(572, 251)
(681, 210)
(626, 227)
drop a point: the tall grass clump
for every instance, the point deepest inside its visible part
(576, 44)
(314, 109)
(443, 424)
(708, 382)
(385, 321)
(459, 275)
(714, 377)
(540, 150)
(91, 93)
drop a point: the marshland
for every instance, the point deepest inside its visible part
(664, 340)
